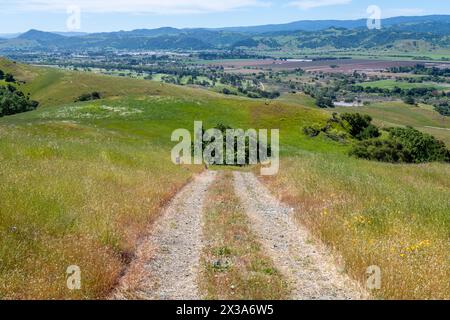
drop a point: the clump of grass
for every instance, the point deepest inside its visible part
(392, 216)
(235, 267)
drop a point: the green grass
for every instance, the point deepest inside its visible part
(392, 216)
(74, 193)
(81, 182)
(373, 54)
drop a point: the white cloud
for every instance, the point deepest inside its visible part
(309, 4)
(131, 6)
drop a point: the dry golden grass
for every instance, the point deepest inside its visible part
(75, 198)
(392, 216)
(235, 267)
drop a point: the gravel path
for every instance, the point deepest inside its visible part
(168, 260)
(310, 270)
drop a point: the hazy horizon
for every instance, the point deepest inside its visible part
(101, 16)
(187, 28)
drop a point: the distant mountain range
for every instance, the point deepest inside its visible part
(317, 25)
(409, 32)
(66, 34)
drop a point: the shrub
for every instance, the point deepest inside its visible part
(403, 145)
(443, 109)
(324, 102)
(13, 101)
(89, 96)
(333, 129)
(359, 126)
(421, 147)
(379, 150)
(312, 131)
(9, 78)
(223, 129)
(409, 100)
(368, 133)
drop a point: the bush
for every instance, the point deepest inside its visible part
(443, 109)
(9, 78)
(403, 145)
(420, 147)
(324, 102)
(223, 129)
(368, 133)
(312, 131)
(409, 100)
(359, 126)
(89, 97)
(379, 150)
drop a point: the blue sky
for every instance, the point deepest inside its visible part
(112, 15)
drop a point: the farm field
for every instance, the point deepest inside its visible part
(330, 65)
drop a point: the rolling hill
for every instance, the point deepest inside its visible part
(81, 183)
(40, 36)
(317, 25)
(304, 34)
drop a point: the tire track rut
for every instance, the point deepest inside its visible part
(168, 260)
(309, 268)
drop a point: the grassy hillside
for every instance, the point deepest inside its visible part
(52, 87)
(392, 216)
(393, 114)
(81, 182)
(74, 193)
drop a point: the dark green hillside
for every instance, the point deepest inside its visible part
(432, 30)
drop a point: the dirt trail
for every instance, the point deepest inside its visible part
(168, 260)
(309, 268)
